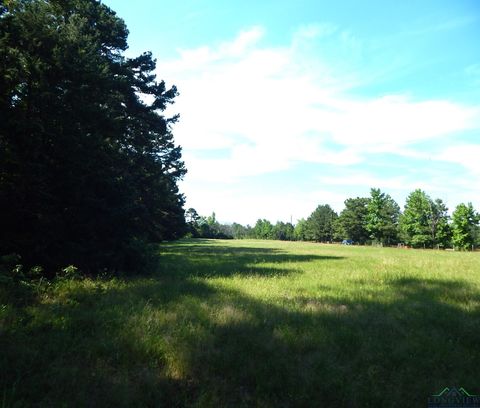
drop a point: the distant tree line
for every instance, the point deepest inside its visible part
(378, 220)
(206, 227)
(209, 227)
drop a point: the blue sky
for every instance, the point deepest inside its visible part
(285, 105)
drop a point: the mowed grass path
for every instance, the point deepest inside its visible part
(252, 323)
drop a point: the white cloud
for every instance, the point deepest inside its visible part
(314, 31)
(269, 108)
(467, 155)
(395, 121)
(242, 43)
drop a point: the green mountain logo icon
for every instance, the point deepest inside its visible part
(453, 397)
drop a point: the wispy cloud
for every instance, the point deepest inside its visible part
(466, 155)
(270, 108)
(446, 25)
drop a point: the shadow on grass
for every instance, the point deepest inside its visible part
(207, 258)
(177, 341)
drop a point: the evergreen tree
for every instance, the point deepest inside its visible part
(300, 231)
(424, 222)
(382, 217)
(239, 231)
(351, 223)
(464, 226)
(89, 169)
(283, 231)
(440, 230)
(414, 223)
(192, 219)
(320, 224)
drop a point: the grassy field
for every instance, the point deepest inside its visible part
(251, 323)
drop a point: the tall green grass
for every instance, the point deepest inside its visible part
(251, 323)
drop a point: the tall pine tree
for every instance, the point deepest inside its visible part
(382, 217)
(88, 168)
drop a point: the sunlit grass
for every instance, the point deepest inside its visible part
(251, 323)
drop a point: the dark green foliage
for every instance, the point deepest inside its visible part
(263, 229)
(440, 228)
(283, 231)
(206, 227)
(88, 169)
(192, 220)
(465, 222)
(209, 227)
(424, 222)
(301, 230)
(382, 217)
(351, 224)
(320, 224)
(241, 232)
(414, 222)
(376, 219)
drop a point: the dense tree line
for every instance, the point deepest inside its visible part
(88, 164)
(206, 227)
(424, 223)
(209, 227)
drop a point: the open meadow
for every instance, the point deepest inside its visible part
(250, 323)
